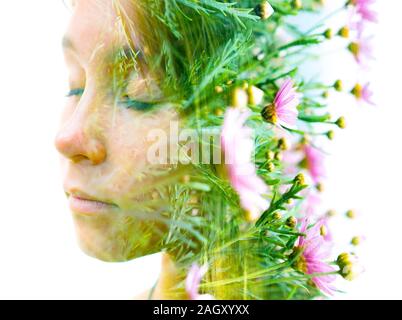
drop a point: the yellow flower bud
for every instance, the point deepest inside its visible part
(276, 216)
(344, 32)
(341, 122)
(283, 144)
(354, 48)
(297, 4)
(338, 85)
(357, 91)
(350, 214)
(331, 213)
(270, 155)
(264, 10)
(330, 135)
(323, 231)
(278, 156)
(239, 98)
(291, 222)
(270, 167)
(355, 241)
(328, 34)
(299, 179)
(218, 89)
(218, 112)
(255, 95)
(320, 187)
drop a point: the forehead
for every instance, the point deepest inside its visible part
(94, 29)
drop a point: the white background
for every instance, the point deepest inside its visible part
(39, 257)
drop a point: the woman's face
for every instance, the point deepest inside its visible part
(111, 187)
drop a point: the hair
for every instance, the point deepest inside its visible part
(192, 47)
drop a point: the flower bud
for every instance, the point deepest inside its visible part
(350, 214)
(323, 231)
(343, 259)
(331, 213)
(297, 4)
(341, 122)
(338, 85)
(299, 180)
(283, 144)
(270, 155)
(330, 135)
(255, 95)
(291, 222)
(357, 91)
(239, 98)
(344, 32)
(278, 156)
(355, 241)
(354, 48)
(320, 187)
(270, 167)
(264, 10)
(276, 216)
(218, 89)
(348, 266)
(218, 112)
(328, 34)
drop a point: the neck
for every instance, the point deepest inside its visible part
(166, 286)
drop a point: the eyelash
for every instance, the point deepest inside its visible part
(137, 105)
(75, 92)
(126, 102)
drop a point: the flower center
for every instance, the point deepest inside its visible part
(354, 48)
(269, 113)
(300, 264)
(357, 91)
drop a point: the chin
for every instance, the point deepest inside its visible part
(116, 239)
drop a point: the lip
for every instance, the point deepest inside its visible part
(82, 203)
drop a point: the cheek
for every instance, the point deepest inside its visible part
(128, 145)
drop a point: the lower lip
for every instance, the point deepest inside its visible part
(85, 206)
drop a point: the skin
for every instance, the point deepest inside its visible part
(104, 145)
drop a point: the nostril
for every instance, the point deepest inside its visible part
(78, 158)
(97, 155)
(78, 147)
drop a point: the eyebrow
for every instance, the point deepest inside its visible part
(126, 50)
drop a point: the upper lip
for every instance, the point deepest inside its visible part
(82, 195)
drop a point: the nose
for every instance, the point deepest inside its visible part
(77, 141)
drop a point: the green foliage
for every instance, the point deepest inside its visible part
(202, 44)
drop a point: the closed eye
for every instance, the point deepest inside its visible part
(128, 103)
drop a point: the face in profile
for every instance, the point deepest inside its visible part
(115, 195)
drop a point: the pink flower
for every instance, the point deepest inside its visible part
(363, 93)
(361, 49)
(314, 249)
(284, 107)
(312, 201)
(193, 281)
(314, 162)
(238, 145)
(363, 8)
